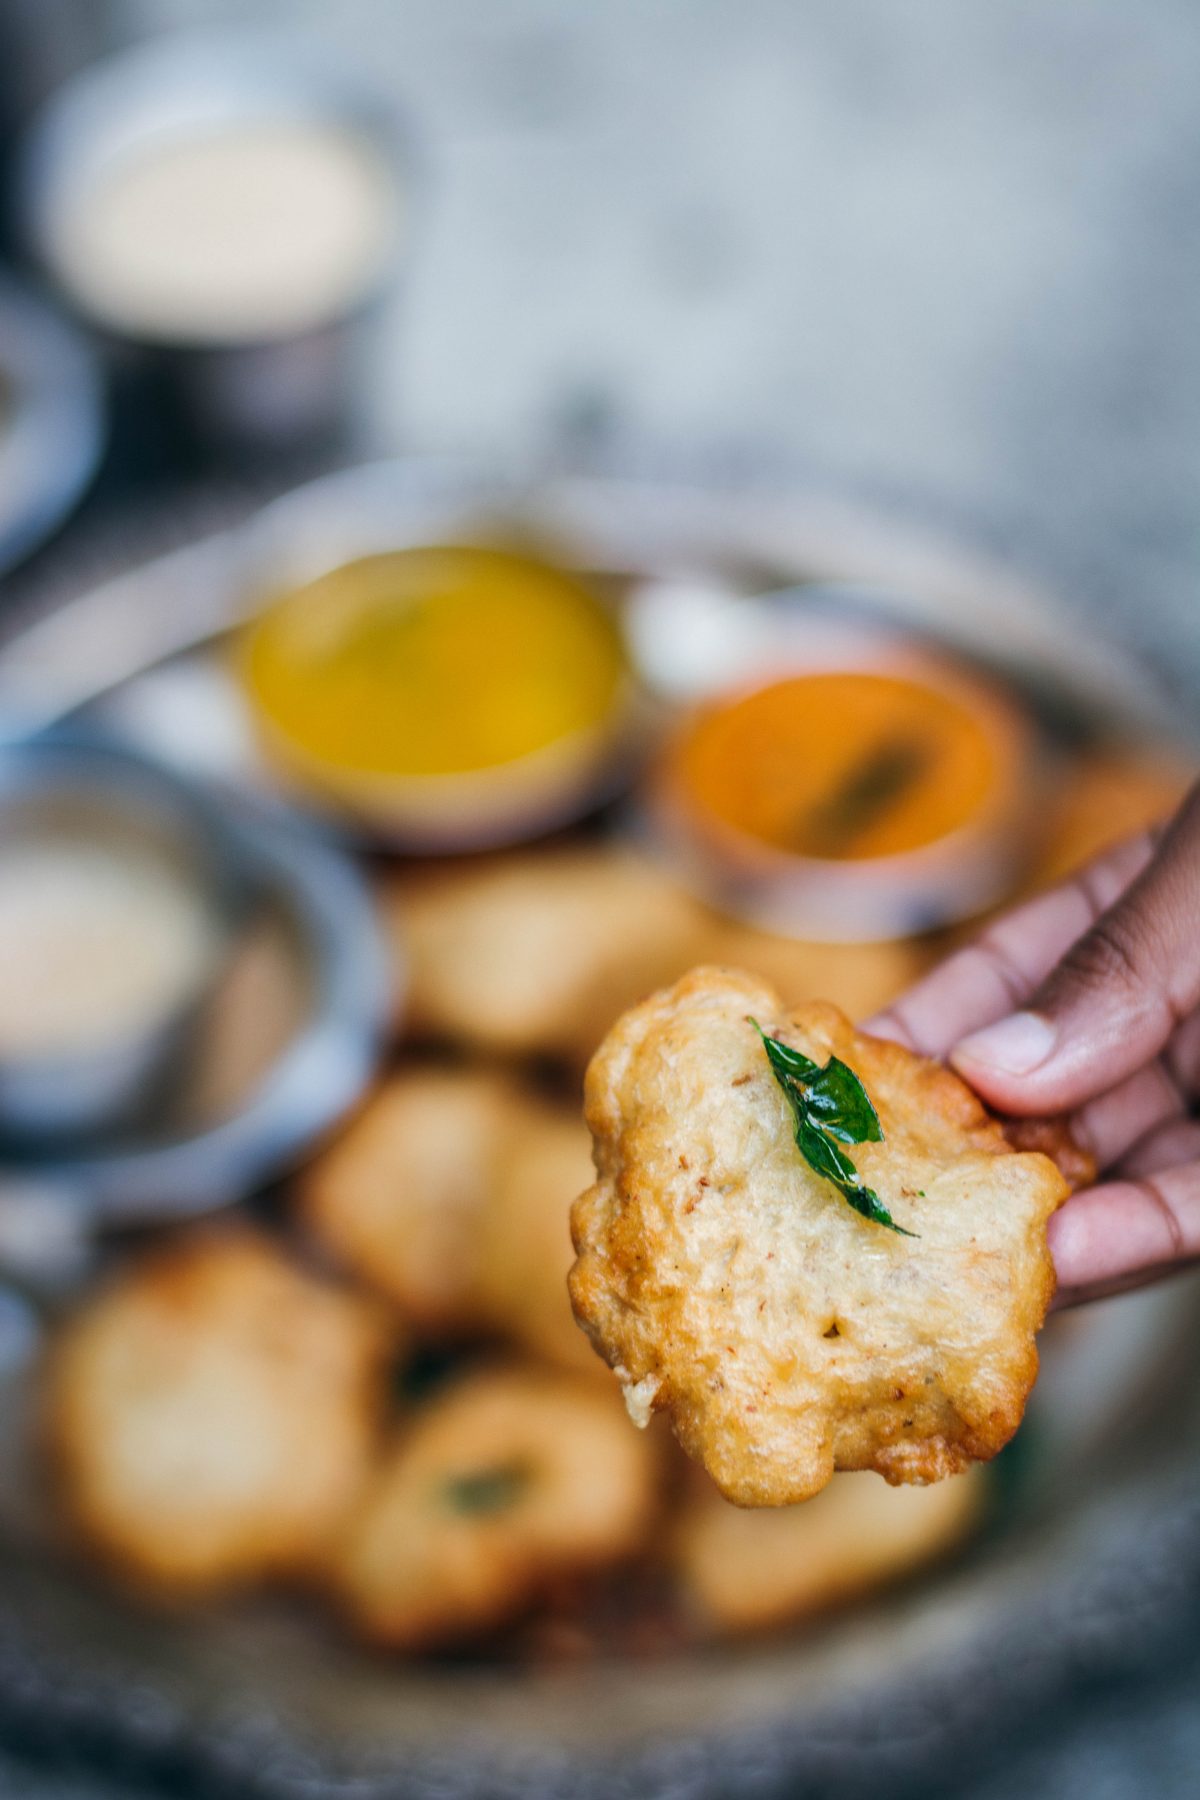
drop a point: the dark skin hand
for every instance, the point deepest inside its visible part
(1086, 1001)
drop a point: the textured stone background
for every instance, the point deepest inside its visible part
(944, 254)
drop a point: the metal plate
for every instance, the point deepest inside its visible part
(1094, 1551)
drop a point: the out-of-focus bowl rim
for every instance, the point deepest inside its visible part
(70, 765)
(470, 810)
(50, 446)
(173, 83)
(315, 1079)
(860, 899)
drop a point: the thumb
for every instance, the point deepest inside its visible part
(1113, 1001)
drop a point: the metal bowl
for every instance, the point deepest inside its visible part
(262, 392)
(830, 627)
(314, 958)
(1094, 1553)
(90, 791)
(51, 421)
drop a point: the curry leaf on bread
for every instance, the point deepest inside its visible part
(830, 1107)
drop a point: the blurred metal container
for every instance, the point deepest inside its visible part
(42, 42)
(60, 787)
(265, 391)
(51, 421)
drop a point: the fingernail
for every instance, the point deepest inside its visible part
(1015, 1046)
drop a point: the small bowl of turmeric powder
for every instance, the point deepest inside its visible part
(446, 697)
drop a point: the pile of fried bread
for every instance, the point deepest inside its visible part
(373, 1386)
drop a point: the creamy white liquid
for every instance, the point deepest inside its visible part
(249, 232)
(96, 945)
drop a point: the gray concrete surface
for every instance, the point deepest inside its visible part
(942, 252)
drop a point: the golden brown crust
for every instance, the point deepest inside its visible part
(211, 1413)
(398, 1195)
(524, 1247)
(726, 1283)
(450, 1194)
(860, 979)
(745, 1570)
(1053, 1138)
(506, 1481)
(537, 952)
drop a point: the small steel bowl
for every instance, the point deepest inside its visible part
(61, 785)
(748, 644)
(197, 1152)
(261, 392)
(51, 421)
(383, 507)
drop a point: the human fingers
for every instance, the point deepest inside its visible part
(1113, 1001)
(1173, 1144)
(1145, 1102)
(999, 971)
(1125, 1233)
(1181, 1058)
(1147, 1108)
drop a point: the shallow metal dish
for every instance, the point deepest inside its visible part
(317, 963)
(1095, 1550)
(269, 391)
(91, 788)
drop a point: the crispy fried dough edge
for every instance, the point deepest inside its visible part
(168, 1271)
(599, 1307)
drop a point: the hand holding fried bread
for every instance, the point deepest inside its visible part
(1087, 1000)
(729, 1280)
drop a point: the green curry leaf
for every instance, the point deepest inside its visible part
(489, 1490)
(830, 1107)
(840, 1103)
